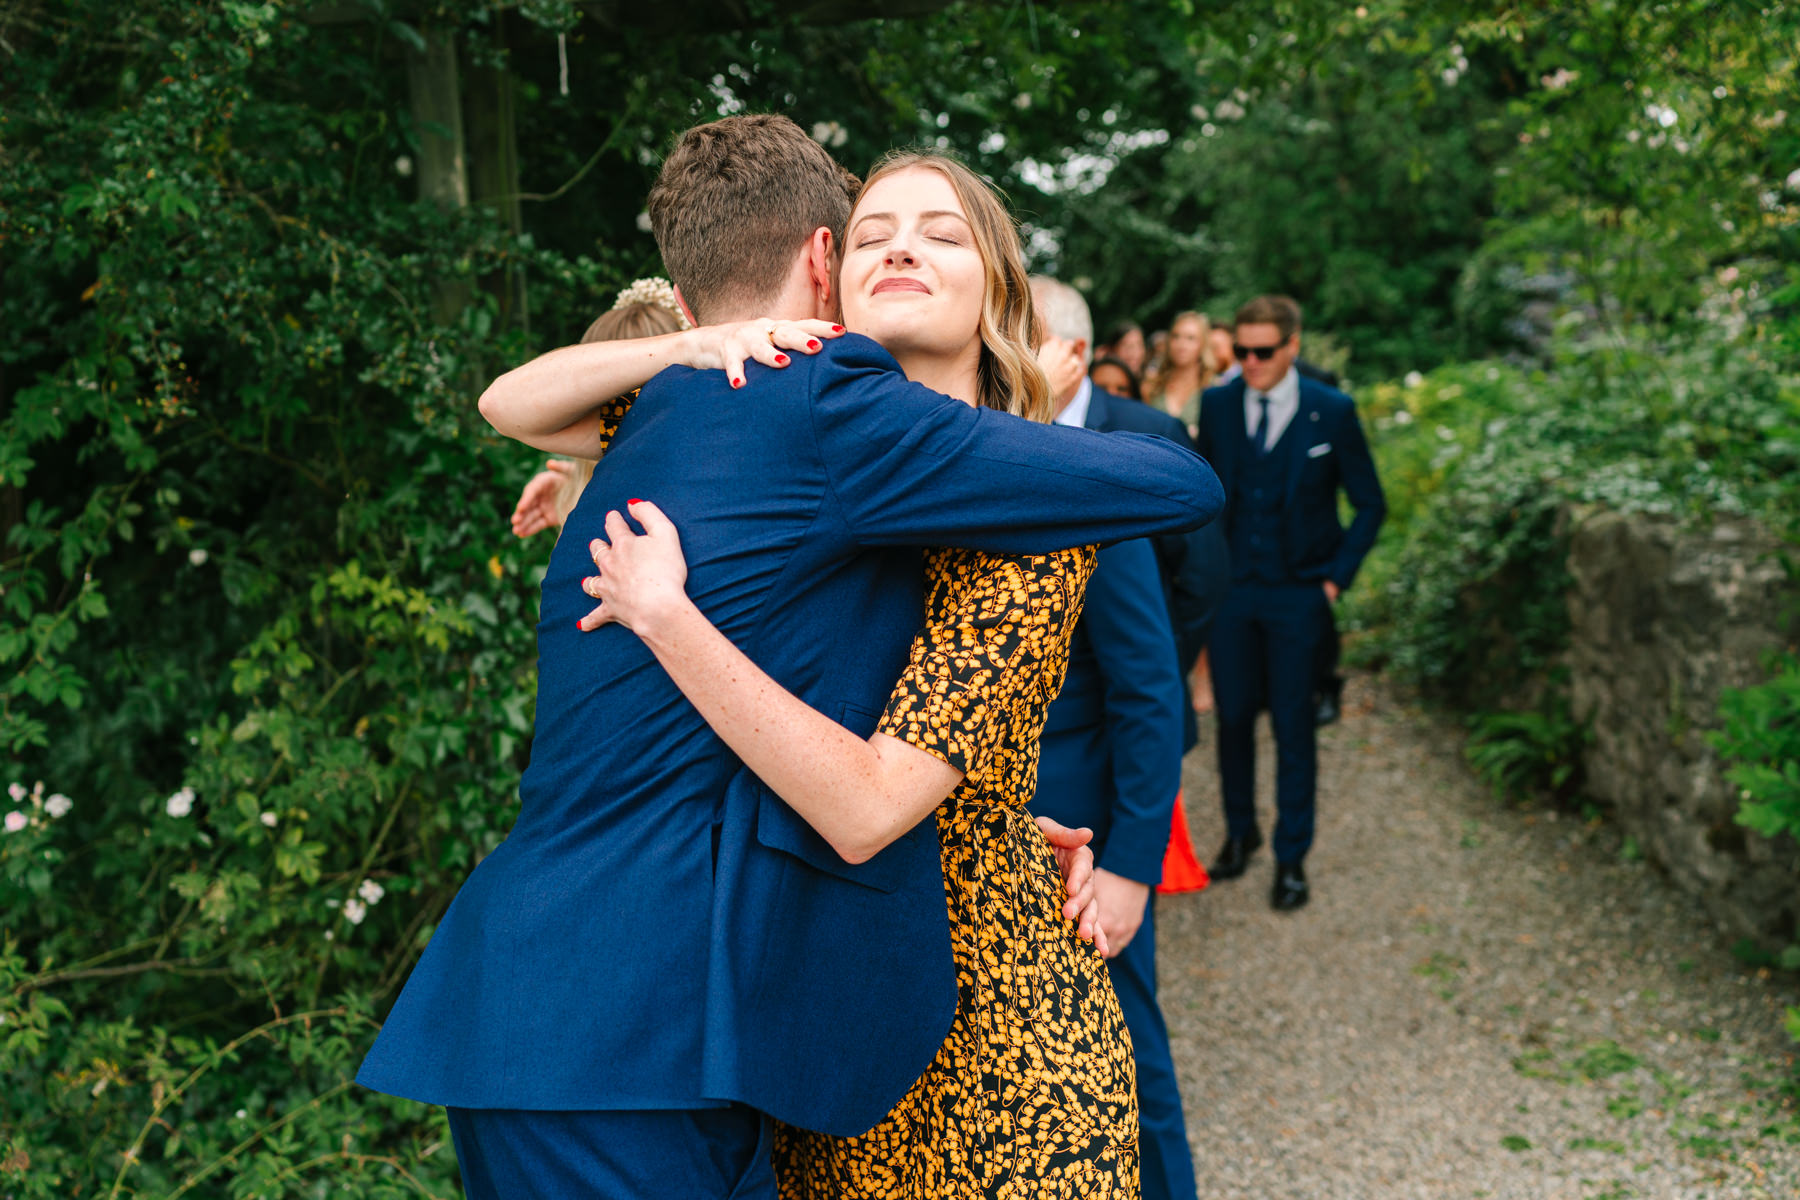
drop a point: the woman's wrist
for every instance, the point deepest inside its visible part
(665, 618)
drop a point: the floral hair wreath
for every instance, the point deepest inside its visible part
(655, 290)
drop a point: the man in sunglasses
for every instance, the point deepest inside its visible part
(1283, 445)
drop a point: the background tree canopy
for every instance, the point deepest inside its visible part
(266, 641)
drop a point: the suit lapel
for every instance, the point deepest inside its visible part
(1299, 438)
(1099, 408)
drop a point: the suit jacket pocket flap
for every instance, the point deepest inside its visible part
(779, 827)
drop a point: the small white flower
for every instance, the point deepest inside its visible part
(241, 1114)
(17, 792)
(371, 891)
(643, 222)
(1403, 417)
(330, 936)
(15, 821)
(1793, 180)
(355, 911)
(1414, 379)
(197, 556)
(1667, 118)
(1719, 93)
(1022, 101)
(268, 819)
(181, 803)
(1451, 75)
(403, 166)
(58, 805)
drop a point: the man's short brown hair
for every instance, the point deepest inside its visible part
(1280, 311)
(735, 201)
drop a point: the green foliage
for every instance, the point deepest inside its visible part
(1761, 741)
(1483, 464)
(1526, 754)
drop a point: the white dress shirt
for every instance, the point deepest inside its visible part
(1284, 402)
(1076, 412)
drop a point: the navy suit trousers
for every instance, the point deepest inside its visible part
(1265, 647)
(706, 1154)
(1166, 1166)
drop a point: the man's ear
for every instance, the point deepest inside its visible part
(1081, 348)
(821, 269)
(687, 312)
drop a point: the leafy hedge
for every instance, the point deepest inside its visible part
(1464, 595)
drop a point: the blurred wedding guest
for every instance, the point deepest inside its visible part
(1284, 447)
(1186, 371)
(645, 309)
(1158, 355)
(1112, 375)
(1224, 361)
(1125, 342)
(1110, 758)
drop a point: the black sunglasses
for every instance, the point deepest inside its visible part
(1263, 352)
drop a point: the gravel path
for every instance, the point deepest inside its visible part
(1480, 1001)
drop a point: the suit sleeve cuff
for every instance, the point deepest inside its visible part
(1135, 847)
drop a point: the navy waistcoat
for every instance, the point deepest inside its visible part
(1259, 493)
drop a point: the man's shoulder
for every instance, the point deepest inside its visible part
(1325, 397)
(1134, 416)
(1222, 394)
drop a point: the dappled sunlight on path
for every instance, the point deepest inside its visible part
(1480, 1001)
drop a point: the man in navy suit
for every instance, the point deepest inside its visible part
(1113, 742)
(1284, 445)
(663, 955)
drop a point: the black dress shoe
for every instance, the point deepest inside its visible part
(1290, 887)
(1328, 702)
(1234, 856)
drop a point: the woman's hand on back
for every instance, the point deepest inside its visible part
(765, 340)
(643, 577)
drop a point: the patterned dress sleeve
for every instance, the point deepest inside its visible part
(991, 624)
(612, 415)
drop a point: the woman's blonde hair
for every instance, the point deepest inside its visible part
(630, 318)
(1207, 366)
(1009, 377)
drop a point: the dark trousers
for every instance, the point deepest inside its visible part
(708, 1154)
(1166, 1165)
(1265, 648)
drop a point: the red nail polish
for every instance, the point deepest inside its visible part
(781, 360)
(634, 501)
(737, 383)
(813, 344)
(837, 329)
(578, 628)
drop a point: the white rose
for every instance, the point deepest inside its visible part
(15, 821)
(58, 805)
(371, 891)
(354, 911)
(181, 803)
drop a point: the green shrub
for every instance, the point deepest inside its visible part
(1465, 593)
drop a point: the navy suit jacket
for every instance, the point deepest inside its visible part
(1196, 565)
(1326, 450)
(659, 930)
(1110, 758)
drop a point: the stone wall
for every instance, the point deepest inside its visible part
(1664, 617)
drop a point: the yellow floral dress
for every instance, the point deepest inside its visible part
(1034, 1093)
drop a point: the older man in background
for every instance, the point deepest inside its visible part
(1113, 743)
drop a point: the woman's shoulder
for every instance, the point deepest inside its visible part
(963, 578)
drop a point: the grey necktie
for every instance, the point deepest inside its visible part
(1262, 426)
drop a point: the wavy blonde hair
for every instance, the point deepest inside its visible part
(1009, 377)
